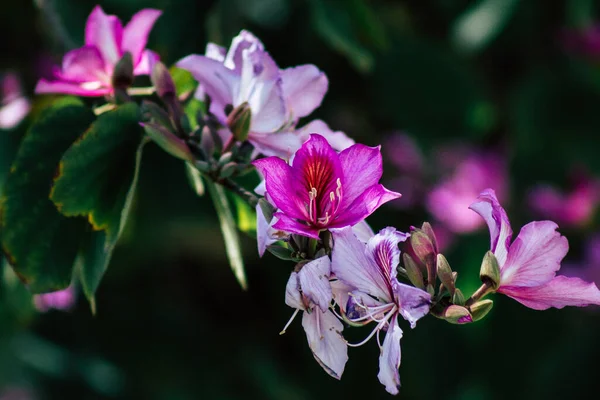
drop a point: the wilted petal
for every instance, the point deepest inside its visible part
(337, 139)
(136, 32)
(287, 224)
(340, 292)
(559, 292)
(264, 231)
(350, 264)
(384, 251)
(217, 81)
(365, 205)
(534, 256)
(293, 296)
(280, 144)
(324, 334)
(494, 215)
(362, 169)
(314, 282)
(414, 303)
(389, 359)
(44, 86)
(303, 89)
(83, 65)
(104, 32)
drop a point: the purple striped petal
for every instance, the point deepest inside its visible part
(303, 89)
(414, 303)
(384, 251)
(136, 32)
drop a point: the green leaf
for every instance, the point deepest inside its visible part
(246, 217)
(184, 81)
(191, 109)
(97, 179)
(40, 243)
(195, 179)
(230, 234)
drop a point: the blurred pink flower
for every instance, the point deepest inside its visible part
(15, 106)
(574, 208)
(409, 175)
(60, 300)
(16, 393)
(585, 42)
(87, 71)
(449, 201)
(588, 268)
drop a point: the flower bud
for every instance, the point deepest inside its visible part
(162, 81)
(207, 142)
(225, 158)
(412, 270)
(424, 246)
(458, 298)
(457, 315)
(480, 309)
(152, 112)
(445, 274)
(227, 170)
(490, 271)
(168, 141)
(122, 76)
(238, 121)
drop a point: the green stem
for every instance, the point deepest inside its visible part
(142, 91)
(247, 196)
(480, 293)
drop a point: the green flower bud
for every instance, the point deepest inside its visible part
(490, 271)
(413, 271)
(445, 274)
(239, 120)
(168, 141)
(481, 308)
(457, 315)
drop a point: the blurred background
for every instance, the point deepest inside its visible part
(462, 95)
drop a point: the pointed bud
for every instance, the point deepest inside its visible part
(228, 170)
(207, 142)
(426, 227)
(168, 141)
(225, 158)
(238, 121)
(445, 274)
(481, 308)
(490, 271)
(202, 166)
(413, 271)
(122, 76)
(458, 298)
(457, 315)
(152, 112)
(424, 246)
(163, 82)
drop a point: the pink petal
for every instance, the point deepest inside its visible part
(215, 52)
(389, 359)
(494, 215)
(383, 250)
(534, 256)
(14, 112)
(287, 224)
(337, 139)
(293, 296)
(83, 65)
(136, 32)
(280, 144)
(362, 167)
(243, 41)
(314, 282)
(414, 302)
(146, 63)
(365, 205)
(303, 89)
(217, 81)
(104, 32)
(264, 231)
(60, 300)
(324, 335)
(350, 264)
(44, 86)
(559, 292)
(281, 186)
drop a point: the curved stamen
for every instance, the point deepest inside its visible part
(377, 328)
(290, 321)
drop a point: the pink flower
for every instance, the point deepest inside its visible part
(308, 290)
(368, 290)
(323, 189)
(14, 105)
(529, 264)
(277, 98)
(61, 300)
(409, 177)
(448, 202)
(574, 208)
(87, 71)
(589, 268)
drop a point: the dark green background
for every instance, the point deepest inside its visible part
(172, 322)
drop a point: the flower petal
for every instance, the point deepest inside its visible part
(314, 282)
(534, 256)
(559, 292)
(136, 32)
(350, 264)
(243, 41)
(384, 251)
(293, 296)
(104, 32)
(14, 112)
(363, 231)
(494, 215)
(337, 139)
(83, 65)
(365, 205)
(340, 292)
(264, 231)
(287, 224)
(414, 303)
(324, 335)
(281, 186)
(362, 169)
(304, 87)
(146, 64)
(389, 359)
(215, 52)
(280, 144)
(44, 86)
(217, 81)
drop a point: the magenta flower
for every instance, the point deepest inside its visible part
(448, 202)
(308, 290)
(60, 300)
(87, 71)
(323, 189)
(277, 97)
(529, 264)
(367, 271)
(574, 208)
(14, 105)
